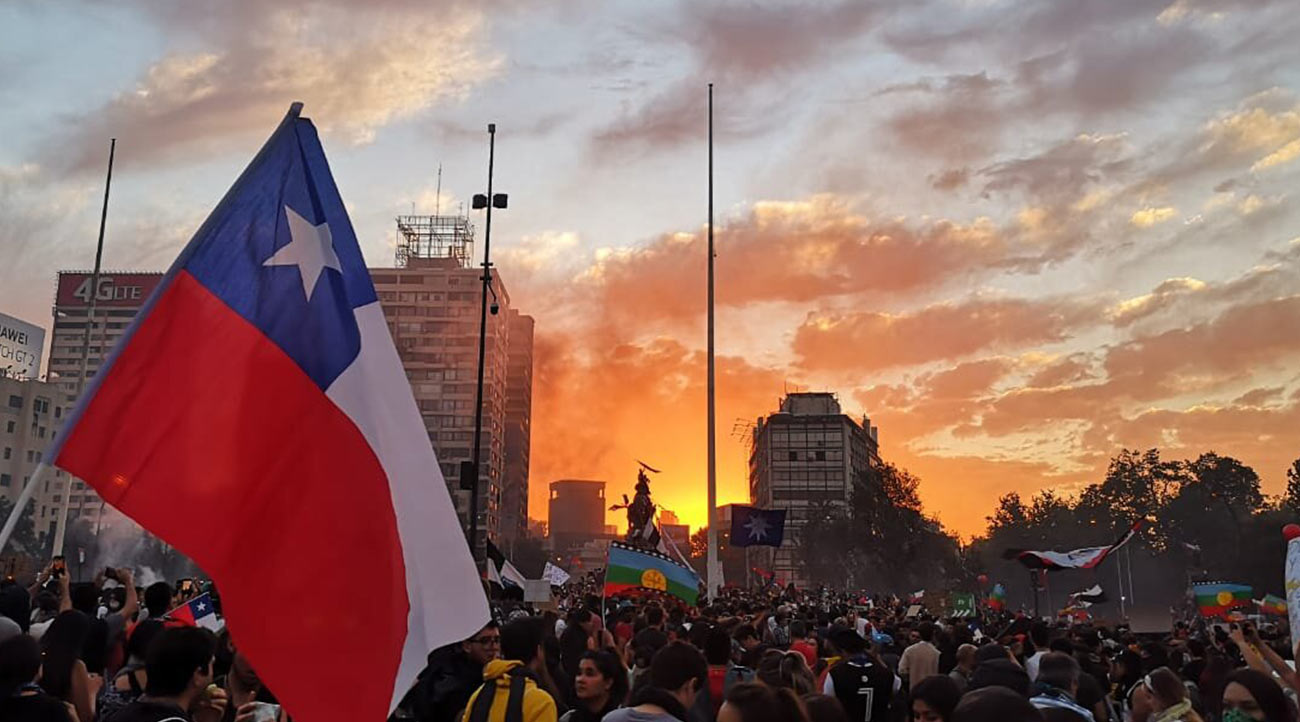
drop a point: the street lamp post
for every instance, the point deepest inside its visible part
(469, 473)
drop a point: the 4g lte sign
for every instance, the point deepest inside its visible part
(113, 289)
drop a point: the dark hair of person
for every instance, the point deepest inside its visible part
(677, 664)
(1213, 679)
(1038, 634)
(20, 662)
(85, 598)
(1062, 645)
(995, 704)
(1167, 686)
(757, 702)
(926, 630)
(173, 658)
(16, 604)
(158, 598)
(824, 708)
(137, 644)
(940, 693)
(717, 647)
(1267, 693)
(654, 615)
(786, 670)
(1058, 670)
(521, 638)
(611, 668)
(61, 647)
(798, 629)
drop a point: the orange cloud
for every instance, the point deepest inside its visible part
(870, 341)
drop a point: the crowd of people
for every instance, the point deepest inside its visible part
(790, 656)
(106, 651)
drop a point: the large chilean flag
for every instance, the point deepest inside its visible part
(256, 416)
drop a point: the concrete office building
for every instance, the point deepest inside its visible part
(119, 296)
(431, 302)
(519, 412)
(807, 453)
(576, 513)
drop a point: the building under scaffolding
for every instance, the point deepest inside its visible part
(426, 237)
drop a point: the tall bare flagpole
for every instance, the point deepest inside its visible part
(61, 528)
(714, 573)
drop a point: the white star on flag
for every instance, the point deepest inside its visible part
(311, 250)
(757, 526)
(201, 607)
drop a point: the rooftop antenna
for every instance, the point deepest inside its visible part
(437, 197)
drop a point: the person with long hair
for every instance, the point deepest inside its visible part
(64, 673)
(21, 698)
(600, 688)
(1162, 697)
(575, 641)
(757, 702)
(786, 670)
(1252, 696)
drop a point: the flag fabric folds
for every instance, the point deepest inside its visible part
(1090, 596)
(1272, 604)
(998, 598)
(1217, 599)
(256, 416)
(499, 569)
(1086, 558)
(555, 575)
(198, 612)
(630, 568)
(751, 526)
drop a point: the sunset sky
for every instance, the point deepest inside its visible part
(1019, 236)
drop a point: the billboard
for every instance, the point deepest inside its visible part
(21, 344)
(115, 289)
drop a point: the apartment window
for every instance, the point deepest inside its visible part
(794, 456)
(8, 452)
(15, 402)
(41, 432)
(9, 427)
(6, 480)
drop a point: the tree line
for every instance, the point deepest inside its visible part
(1201, 519)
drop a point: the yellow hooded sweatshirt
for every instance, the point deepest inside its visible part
(537, 704)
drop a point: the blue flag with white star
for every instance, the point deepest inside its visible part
(751, 526)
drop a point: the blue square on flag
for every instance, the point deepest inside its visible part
(751, 526)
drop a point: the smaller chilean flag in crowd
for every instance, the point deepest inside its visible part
(198, 612)
(751, 526)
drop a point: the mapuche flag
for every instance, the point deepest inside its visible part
(256, 416)
(1085, 558)
(1216, 600)
(630, 568)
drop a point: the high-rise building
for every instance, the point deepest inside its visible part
(432, 303)
(519, 412)
(671, 527)
(805, 454)
(119, 296)
(576, 511)
(30, 417)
